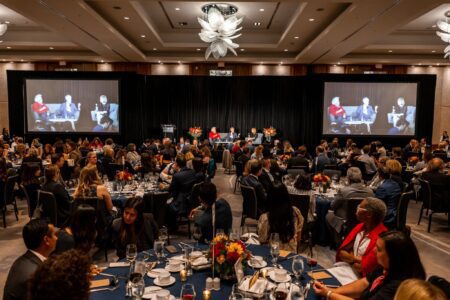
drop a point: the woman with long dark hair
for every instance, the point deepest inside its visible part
(81, 231)
(399, 259)
(282, 218)
(134, 227)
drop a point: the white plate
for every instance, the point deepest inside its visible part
(272, 276)
(259, 266)
(196, 254)
(174, 270)
(154, 273)
(152, 291)
(170, 282)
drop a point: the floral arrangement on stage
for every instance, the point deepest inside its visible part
(124, 176)
(195, 132)
(225, 254)
(270, 132)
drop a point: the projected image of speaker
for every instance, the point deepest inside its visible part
(369, 108)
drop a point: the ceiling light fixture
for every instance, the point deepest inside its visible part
(3, 28)
(8, 47)
(286, 50)
(219, 27)
(433, 51)
(444, 34)
(257, 23)
(154, 49)
(126, 18)
(261, 9)
(390, 51)
(1, 42)
(142, 35)
(296, 37)
(7, 22)
(242, 49)
(51, 48)
(177, 8)
(311, 20)
(198, 49)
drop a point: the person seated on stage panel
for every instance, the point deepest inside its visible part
(399, 260)
(40, 108)
(336, 111)
(68, 110)
(281, 218)
(40, 239)
(419, 290)
(104, 124)
(400, 126)
(134, 227)
(104, 108)
(365, 112)
(389, 191)
(337, 213)
(203, 214)
(213, 136)
(356, 255)
(253, 181)
(253, 134)
(231, 136)
(400, 108)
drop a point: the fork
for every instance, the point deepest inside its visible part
(105, 289)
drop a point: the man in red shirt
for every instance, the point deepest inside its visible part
(213, 136)
(335, 110)
(40, 108)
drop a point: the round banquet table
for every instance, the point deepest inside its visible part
(199, 277)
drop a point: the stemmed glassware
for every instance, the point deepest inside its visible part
(187, 292)
(158, 247)
(131, 252)
(197, 235)
(235, 295)
(163, 237)
(274, 248)
(137, 287)
(298, 267)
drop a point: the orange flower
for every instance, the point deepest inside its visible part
(221, 259)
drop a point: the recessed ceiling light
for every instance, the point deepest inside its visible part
(102, 60)
(242, 49)
(198, 49)
(433, 51)
(8, 47)
(438, 64)
(257, 23)
(142, 35)
(51, 48)
(159, 61)
(21, 60)
(7, 22)
(311, 20)
(286, 50)
(334, 65)
(182, 24)
(296, 37)
(126, 18)
(261, 9)
(1, 42)
(433, 26)
(179, 62)
(339, 62)
(154, 49)
(281, 62)
(420, 64)
(390, 51)
(261, 63)
(177, 8)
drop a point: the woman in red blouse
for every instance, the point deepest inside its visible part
(336, 111)
(39, 107)
(213, 136)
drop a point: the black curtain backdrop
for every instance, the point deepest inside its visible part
(293, 105)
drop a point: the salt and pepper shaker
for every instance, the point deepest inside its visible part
(216, 283)
(209, 283)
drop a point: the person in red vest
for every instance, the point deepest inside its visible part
(213, 136)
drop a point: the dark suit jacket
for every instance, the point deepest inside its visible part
(261, 194)
(265, 180)
(389, 191)
(440, 189)
(18, 276)
(63, 204)
(106, 107)
(224, 219)
(354, 190)
(319, 163)
(297, 161)
(181, 188)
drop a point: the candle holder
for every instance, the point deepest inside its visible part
(183, 275)
(206, 294)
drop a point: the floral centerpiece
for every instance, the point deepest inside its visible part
(269, 133)
(195, 132)
(225, 254)
(124, 176)
(323, 180)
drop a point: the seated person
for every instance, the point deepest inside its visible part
(358, 248)
(213, 136)
(41, 110)
(266, 178)
(132, 156)
(400, 108)
(252, 180)
(419, 290)
(388, 191)
(104, 124)
(64, 276)
(441, 148)
(30, 181)
(253, 134)
(439, 182)
(92, 161)
(400, 126)
(104, 108)
(300, 160)
(355, 189)
(52, 185)
(40, 239)
(336, 111)
(202, 215)
(231, 136)
(80, 231)
(320, 160)
(134, 227)
(281, 218)
(399, 259)
(365, 112)
(368, 161)
(68, 110)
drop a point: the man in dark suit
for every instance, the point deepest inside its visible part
(245, 156)
(52, 185)
(397, 155)
(320, 161)
(299, 160)
(40, 239)
(439, 183)
(266, 178)
(388, 191)
(104, 107)
(180, 188)
(253, 181)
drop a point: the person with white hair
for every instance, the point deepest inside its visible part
(336, 111)
(40, 108)
(68, 110)
(366, 112)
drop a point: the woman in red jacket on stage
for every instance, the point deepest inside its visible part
(213, 136)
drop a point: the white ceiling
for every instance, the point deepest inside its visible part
(307, 32)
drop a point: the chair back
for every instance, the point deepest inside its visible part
(239, 168)
(331, 167)
(47, 202)
(425, 192)
(331, 172)
(441, 283)
(442, 156)
(304, 168)
(100, 207)
(159, 206)
(193, 199)
(112, 169)
(350, 206)
(250, 202)
(402, 209)
(302, 202)
(8, 192)
(294, 172)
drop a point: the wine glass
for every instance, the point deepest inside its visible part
(131, 252)
(137, 287)
(274, 248)
(297, 268)
(235, 233)
(187, 292)
(235, 295)
(163, 237)
(220, 232)
(139, 267)
(245, 234)
(197, 235)
(158, 247)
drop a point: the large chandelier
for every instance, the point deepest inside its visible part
(219, 27)
(445, 33)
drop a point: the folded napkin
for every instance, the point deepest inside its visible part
(343, 272)
(119, 264)
(257, 288)
(196, 254)
(253, 238)
(200, 261)
(178, 257)
(150, 292)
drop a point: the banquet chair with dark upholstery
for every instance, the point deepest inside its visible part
(302, 202)
(350, 220)
(432, 204)
(331, 172)
(8, 197)
(47, 202)
(250, 213)
(402, 210)
(239, 171)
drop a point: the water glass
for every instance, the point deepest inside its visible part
(139, 267)
(131, 252)
(163, 236)
(298, 267)
(235, 234)
(158, 247)
(138, 287)
(187, 292)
